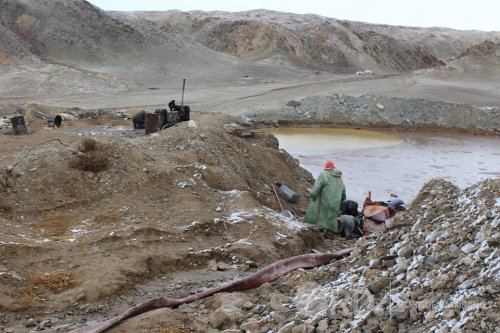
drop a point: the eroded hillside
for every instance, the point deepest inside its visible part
(82, 37)
(315, 41)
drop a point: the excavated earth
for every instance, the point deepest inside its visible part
(97, 217)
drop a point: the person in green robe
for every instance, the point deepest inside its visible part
(326, 195)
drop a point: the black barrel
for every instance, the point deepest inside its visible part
(163, 118)
(152, 123)
(19, 125)
(172, 117)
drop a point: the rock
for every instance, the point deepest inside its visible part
(378, 310)
(284, 288)
(293, 103)
(276, 303)
(287, 328)
(467, 261)
(430, 316)
(423, 306)
(439, 282)
(466, 284)
(322, 326)
(353, 278)
(401, 267)
(259, 309)
(388, 328)
(303, 328)
(345, 324)
(212, 265)
(221, 266)
(448, 313)
(184, 185)
(248, 305)
(406, 251)
(251, 326)
(380, 106)
(45, 324)
(378, 285)
(224, 316)
(31, 323)
(468, 248)
(372, 325)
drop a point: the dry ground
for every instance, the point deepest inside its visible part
(152, 213)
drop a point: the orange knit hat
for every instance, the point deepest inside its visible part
(329, 165)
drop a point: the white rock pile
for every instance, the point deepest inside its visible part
(436, 269)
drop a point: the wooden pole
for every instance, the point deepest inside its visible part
(277, 197)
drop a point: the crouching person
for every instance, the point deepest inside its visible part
(350, 226)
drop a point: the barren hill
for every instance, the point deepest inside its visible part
(443, 43)
(315, 41)
(13, 50)
(75, 54)
(77, 34)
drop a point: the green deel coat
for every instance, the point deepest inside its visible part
(327, 195)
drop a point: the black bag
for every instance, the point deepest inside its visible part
(349, 207)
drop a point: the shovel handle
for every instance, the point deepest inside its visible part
(276, 194)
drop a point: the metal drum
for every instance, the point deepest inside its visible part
(152, 123)
(19, 125)
(163, 117)
(172, 117)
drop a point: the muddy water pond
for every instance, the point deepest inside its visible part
(398, 163)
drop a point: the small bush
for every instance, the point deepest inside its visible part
(89, 144)
(58, 281)
(30, 297)
(94, 161)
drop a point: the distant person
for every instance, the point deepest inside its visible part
(171, 105)
(54, 122)
(57, 121)
(327, 194)
(139, 120)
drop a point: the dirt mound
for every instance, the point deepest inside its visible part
(436, 268)
(369, 111)
(88, 218)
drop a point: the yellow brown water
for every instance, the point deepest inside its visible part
(313, 140)
(392, 163)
